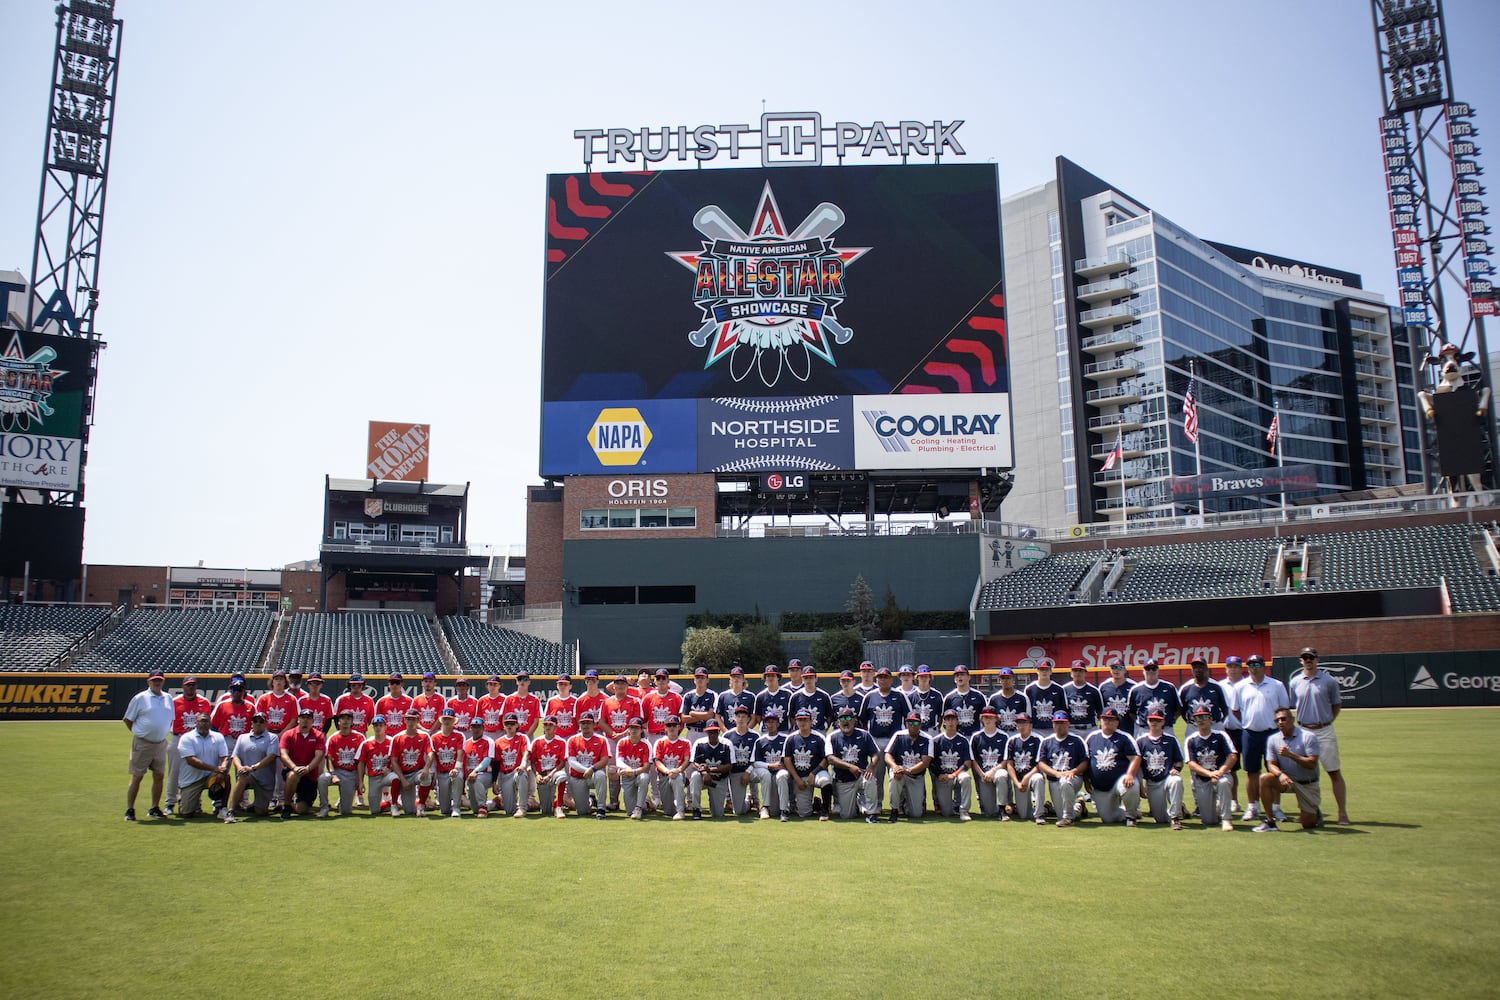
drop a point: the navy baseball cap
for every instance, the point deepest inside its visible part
(1156, 713)
(304, 710)
(771, 668)
(155, 674)
(1045, 663)
(771, 713)
(960, 669)
(1024, 717)
(356, 678)
(1199, 711)
(847, 675)
(712, 725)
(522, 676)
(1255, 658)
(294, 672)
(1116, 664)
(635, 720)
(590, 673)
(1152, 665)
(1195, 661)
(701, 672)
(428, 675)
(1079, 665)
(548, 720)
(583, 717)
(674, 720)
(809, 672)
(395, 679)
(883, 672)
(378, 720)
(1059, 716)
(913, 717)
(492, 679)
(278, 673)
(804, 714)
(345, 714)
(448, 713)
(951, 713)
(511, 718)
(621, 678)
(564, 679)
(663, 673)
(412, 713)
(736, 671)
(1110, 713)
(460, 682)
(314, 676)
(741, 710)
(189, 679)
(1006, 672)
(990, 711)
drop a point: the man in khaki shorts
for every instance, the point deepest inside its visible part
(1291, 766)
(149, 719)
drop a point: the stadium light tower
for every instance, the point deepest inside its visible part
(1436, 197)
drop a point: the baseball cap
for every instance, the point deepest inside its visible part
(1024, 717)
(476, 721)
(662, 673)
(460, 682)
(549, 720)
(522, 676)
(1255, 658)
(189, 679)
(1197, 660)
(395, 679)
(950, 713)
(794, 662)
(803, 714)
(674, 720)
(412, 713)
(304, 710)
(809, 672)
(1308, 651)
(913, 717)
(989, 710)
(845, 713)
(492, 679)
(588, 717)
(960, 669)
(635, 720)
(564, 679)
(155, 673)
(924, 669)
(712, 724)
(771, 668)
(1116, 663)
(1059, 716)
(1227, 660)
(741, 710)
(428, 675)
(278, 673)
(1151, 665)
(591, 673)
(448, 713)
(356, 678)
(258, 716)
(1110, 713)
(905, 669)
(736, 671)
(701, 672)
(866, 665)
(1156, 714)
(1006, 672)
(346, 713)
(1045, 663)
(1198, 711)
(847, 675)
(378, 720)
(294, 672)
(314, 676)
(883, 672)
(772, 713)
(618, 677)
(510, 717)
(1078, 665)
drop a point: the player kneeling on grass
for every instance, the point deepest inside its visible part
(806, 759)
(588, 768)
(742, 743)
(769, 767)
(713, 759)
(1028, 785)
(205, 757)
(478, 760)
(376, 777)
(952, 777)
(302, 752)
(342, 757)
(987, 748)
(447, 763)
(1292, 766)
(1209, 758)
(1063, 760)
(632, 767)
(1114, 764)
(549, 760)
(907, 758)
(257, 754)
(852, 754)
(1161, 762)
(673, 755)
(411, 757)
(511, 767)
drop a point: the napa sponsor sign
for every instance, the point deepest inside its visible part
(927, 431)
(590, 438)
(1246, 482)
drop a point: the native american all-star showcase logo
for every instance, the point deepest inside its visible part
(26, 385)
(769, 296)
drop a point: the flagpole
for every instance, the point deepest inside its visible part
(1280, 455)
(1197, 451)
(1124, 503)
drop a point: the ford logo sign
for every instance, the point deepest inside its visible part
(1351, 677)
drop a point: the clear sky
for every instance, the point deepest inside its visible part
(326, 213)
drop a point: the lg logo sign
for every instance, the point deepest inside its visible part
(778, 481)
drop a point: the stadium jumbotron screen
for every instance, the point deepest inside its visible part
(817, 318)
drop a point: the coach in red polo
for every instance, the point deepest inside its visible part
(302, 750)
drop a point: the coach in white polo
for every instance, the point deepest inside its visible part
(149, 719)
(1259, 698)
(1318, 701)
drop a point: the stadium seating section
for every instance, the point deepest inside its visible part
(33, 636)
(486, 649)
(370, 643)
(1373, 559)
(180, 641)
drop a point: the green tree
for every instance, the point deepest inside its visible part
(714, 648)
(860, 608)
(760, 644)
(837, 649)
(894, 620)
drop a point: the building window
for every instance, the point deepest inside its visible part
(629, 518)
(668, 594)
(340, 529)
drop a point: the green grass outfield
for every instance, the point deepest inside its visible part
(1404, 903)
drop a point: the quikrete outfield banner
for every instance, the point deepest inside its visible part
(1246, 482)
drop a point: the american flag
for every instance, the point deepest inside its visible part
(1274, 432)
(1115, 453)
(1190, 412)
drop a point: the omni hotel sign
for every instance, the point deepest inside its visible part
(783, 139)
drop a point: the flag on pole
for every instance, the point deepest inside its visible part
(1190, 412)
(1274, 432)
(1115, 452)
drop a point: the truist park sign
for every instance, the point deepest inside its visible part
(783, 139)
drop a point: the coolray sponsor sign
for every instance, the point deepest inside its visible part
(811, 433)
(784, 139)
(932, 431)
(398, 451)
(657, 436)
(1168, 650)
(1247, 482)
(43, 388)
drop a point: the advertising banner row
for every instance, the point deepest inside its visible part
(44, 385)
(807, 434)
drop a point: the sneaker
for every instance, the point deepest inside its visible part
(786, 817)
(965, 818)
(1041, 821)
(1005, 817)
(1177, 824)
(697, 813)
(636, 813)
(1234, 805)
(823, 818)
(677, 816)
(1266, 826)
(482, 813)
(455, 814)
(1064, 822)
(1277, 814)
(156, 813)
(895, 815)
(359, 800)
(395, 810)
(519, 813)
(286, 812)
(1252, 811)
(323, 812)
(558, 812)
(1080, 811)
(765, 813)
(1227, 826)
(600, 813)
(1129, 821)
(420, 811)
(130, 815)
(869, 818)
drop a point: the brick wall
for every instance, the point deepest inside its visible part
(544, 538)
(1369, 636)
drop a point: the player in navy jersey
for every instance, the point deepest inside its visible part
(964, 700)
(987, 750)
(851, 756)
(1115, 693)
(806, 757)
(743, 740)
(1082, 701)
(1161, 766)
(880, 714)
(1046, 698)
(927, 702)
(1028, 785)
(769, 768)
(736, 695)
(815, 702)
(908, 756)
(698, 706)
(846, 696)
(1209, 758)
(1114, 766)
(1063, 760)
(908, 688)
(773, 695)
(1153, 695)
(1200, 692)
(713, 759)
(1009, 703)
(866, 678)
(952, 770)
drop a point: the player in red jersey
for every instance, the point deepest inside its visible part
(643, 685)
(447, 756)
(492, 708)
(549, 764)
(342, 765)
(619, 708)
(302, 751)
(465, 708)
(588, 767)
(659, 705)
(320, 703)
(412, 760)
(592, 699)
(511, 765)
(478, 760)
(673, 755)
(376, 778)
(359, 705)
(394, 703)
(527, 706)
(429, 703)
(632, 767)
(279, 707)
(563, 706)
(233, 713)
(186, 708)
